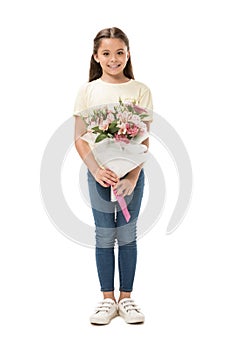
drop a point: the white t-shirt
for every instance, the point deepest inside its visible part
(98, 92)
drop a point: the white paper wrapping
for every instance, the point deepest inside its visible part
(120, 157)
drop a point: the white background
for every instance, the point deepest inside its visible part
(183, 51)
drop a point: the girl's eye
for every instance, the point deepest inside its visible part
(105, 53)
(120, 53)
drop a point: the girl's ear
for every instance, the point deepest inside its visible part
(96, 58)
(128, 55)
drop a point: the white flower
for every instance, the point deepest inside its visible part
(110, 117)
(104, 125)
(135, 119)
(122, 128)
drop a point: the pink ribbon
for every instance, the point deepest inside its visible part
(123, 206)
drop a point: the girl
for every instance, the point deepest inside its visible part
(111, 78)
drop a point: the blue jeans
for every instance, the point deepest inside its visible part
(111, 228)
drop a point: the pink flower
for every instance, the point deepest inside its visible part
(132, 129)
(122, 138)
(139, 110)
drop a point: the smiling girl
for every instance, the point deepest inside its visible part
(110, 79)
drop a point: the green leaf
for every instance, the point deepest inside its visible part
(101, 137)
(113, 128)
(130, 108)
(96, 129)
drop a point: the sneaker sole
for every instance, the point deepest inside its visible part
(132, 321)
(101, 322)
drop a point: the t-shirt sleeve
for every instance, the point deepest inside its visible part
(146, 101)
(80, 102)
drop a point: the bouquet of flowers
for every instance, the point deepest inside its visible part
(115, 133)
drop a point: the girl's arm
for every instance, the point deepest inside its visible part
(105, 177)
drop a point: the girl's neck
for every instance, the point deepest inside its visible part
(119, 79)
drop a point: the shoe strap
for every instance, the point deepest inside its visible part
(129, 304)
(104, 306)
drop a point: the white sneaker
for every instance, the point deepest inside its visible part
(130, 311)
(105, 311)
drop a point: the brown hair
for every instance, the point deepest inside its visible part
(95, 70)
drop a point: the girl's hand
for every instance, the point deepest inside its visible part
(105, 177)
(125, 187)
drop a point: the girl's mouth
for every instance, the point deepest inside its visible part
(114, 66)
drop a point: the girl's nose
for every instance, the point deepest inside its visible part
(113, 58)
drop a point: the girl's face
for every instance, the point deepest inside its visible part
(112, 55)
